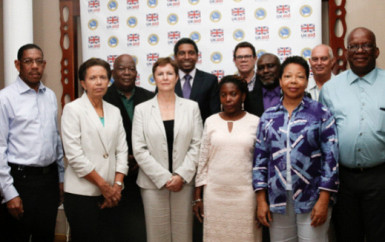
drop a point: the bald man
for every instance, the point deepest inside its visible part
(129, 219)
(321, 63)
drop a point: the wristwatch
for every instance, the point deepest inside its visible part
(119, 184)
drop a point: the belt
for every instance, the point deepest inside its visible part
(362, 169)
(32, 170)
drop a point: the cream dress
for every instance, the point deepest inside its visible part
(225, 171)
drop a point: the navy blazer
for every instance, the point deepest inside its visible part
(205, 92)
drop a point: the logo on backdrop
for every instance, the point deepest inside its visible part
(193, 2)
(93, 6)
(199, 58)
(111, 59)
(173, 37)
(260, 52)
(151, 80)
(284, 32)
(172, 19)
(93, 24)
(238, 34)
(152, 3)
(307, 31)
(194, 17)
(262, 33)
(113, 41)
(260, 13)
(112, 22)
(152, 19)
(238, 14)
(133, 40)
(173, 3)
(94, 42)
(219, 73)
(215, 16)
(306, 11)
(216, 35)
(153, 39)
(283, 11)
(283, 52)
(195, 36)
(112, 5)
(137, 80)
(132, 22)
(132, 4)
(152, 58)
(216, 57)
(306, 53)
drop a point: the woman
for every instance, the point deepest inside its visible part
(224, 169)
(95, 146)
(166, 138)
(296, 161)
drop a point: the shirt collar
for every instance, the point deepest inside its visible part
(276, 91)
(123, 95)
(304, 104)
(191, 73)
(23, 87)
(369, 78)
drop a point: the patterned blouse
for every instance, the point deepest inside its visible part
(306, 145)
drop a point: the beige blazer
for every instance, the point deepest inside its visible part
(90, 146)
(149, 142)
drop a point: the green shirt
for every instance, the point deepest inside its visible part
(128, 102)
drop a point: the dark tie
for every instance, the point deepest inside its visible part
(187, 86)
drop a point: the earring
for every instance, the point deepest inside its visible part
(221, 107)
(243, 106)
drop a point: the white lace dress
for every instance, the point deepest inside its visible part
(225, 171)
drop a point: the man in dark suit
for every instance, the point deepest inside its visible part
(129, 219)
(266, 91)
(195, 84)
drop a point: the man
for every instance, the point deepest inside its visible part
(356, 98)
(321, 62)
(266, 92)
(195, 84)
(130, 223)
(244, 57)
(31, 155)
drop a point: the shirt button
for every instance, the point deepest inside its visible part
(105, 156)
(359, 149)
(361, 134)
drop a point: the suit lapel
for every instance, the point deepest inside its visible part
(178, 88)
(197, 85)
(95, 120)
(178, 117)
(155, 114)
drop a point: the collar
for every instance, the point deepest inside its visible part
(191, 73)
(123, 95)
(276, 91)
(302, 105)
(370, 78)
(23, 87)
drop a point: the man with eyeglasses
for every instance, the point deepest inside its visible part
(195, 84)
(31, 155)
(321, 63)
(245, 57)
(356, 99)
(124, 94)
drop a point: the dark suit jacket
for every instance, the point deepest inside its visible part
(141, 95)
(205, 92)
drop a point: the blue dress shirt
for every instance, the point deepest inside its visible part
(358, 105)
(298, 154)
(28, 132)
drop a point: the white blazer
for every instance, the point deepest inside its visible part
(90, 146)
(149, 142)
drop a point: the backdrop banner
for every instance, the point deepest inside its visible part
(148, 29)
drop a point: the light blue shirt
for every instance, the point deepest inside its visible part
(358, 105)
(28, 132)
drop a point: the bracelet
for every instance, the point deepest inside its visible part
(193, 203)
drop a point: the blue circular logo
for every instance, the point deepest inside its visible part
(153, 39)
(238, 34)
(112, 5)
(260, 13)
(215, 16)
(284, 32)
(195, 36)
(113, 41)
(93, 24)
(306, 11)
(216, 57)
(132, 22)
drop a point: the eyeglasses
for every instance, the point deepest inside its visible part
(29, 62)
(365, 47)
(246, 57)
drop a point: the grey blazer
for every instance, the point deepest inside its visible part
(149, 142)
(90, 146)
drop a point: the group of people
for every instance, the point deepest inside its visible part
(267, 148)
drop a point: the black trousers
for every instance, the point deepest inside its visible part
(359, 214)
(39, 192)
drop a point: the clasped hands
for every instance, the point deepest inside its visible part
(112, 195)
(175, 183)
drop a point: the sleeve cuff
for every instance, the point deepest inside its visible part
(9, 194)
